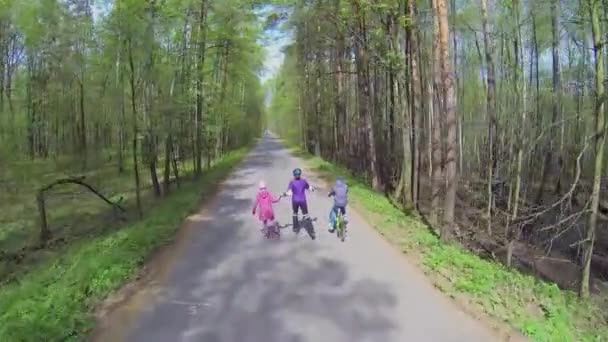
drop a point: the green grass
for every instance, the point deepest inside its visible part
(538, 309)
(73, 212)
(53, 302)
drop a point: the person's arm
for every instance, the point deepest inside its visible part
(308, 186)
(331, 193)
(289, 186)
(275, 199)
(255, 205)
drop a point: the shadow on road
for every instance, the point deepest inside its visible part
(230, 285)
(290, 224)
(308, 226)
(268, 293)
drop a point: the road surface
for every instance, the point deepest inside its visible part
(228, 284)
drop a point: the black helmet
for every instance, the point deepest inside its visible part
(297, 172)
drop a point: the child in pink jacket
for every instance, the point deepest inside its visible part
(264, 200)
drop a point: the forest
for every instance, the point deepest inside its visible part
(485, 118)
(106, 107)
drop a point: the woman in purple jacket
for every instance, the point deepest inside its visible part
(298, 187)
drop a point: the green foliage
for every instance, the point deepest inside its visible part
(66, 50)
(73, 111)
(281, 116)
(54, 302)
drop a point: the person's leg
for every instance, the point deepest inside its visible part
(294, 216)
(332, 219)
(343, 209)
(272, 226)
(304, 207)
(306, 219)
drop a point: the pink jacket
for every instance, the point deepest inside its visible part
(264, 200)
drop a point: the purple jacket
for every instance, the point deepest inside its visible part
(298, 188)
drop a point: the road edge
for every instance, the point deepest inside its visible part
(116, 315)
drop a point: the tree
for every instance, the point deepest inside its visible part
(363, 83)
(378, 88)
(449, 108)
(202, 29)
(599, 142)
(490, 110)
(110, 95)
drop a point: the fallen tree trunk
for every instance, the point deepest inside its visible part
(45, 233)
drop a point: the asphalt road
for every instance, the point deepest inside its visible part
(229, 284)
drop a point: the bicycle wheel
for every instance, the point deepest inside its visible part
(267, 231)
(339, 232)
(342, 228)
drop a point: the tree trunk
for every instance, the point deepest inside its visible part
(364, 94)
(547, 168)
(175, 168)
(599, 137)
(539, 114)
(437, 108)
(120, 85)
(520, 95)
(416, 111)
(167, 168)
(135, 131)
(198, 138)
(449, 109)
(556, 97)
(45, 232)
(3, 68)
(340, 109)
(490, 110)
(82, 127)
(31, 107)
(582, 67)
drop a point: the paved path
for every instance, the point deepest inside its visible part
(230, 285)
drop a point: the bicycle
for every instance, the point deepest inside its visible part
(271, 230)
(340, 226)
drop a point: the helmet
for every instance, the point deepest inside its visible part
(262, 185)
(297, 172)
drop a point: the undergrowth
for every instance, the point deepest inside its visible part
(53, 302)
(538, 309)
(72, 211)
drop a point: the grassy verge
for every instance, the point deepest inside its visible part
(538, 309)
(53, 302)
(73, 213)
